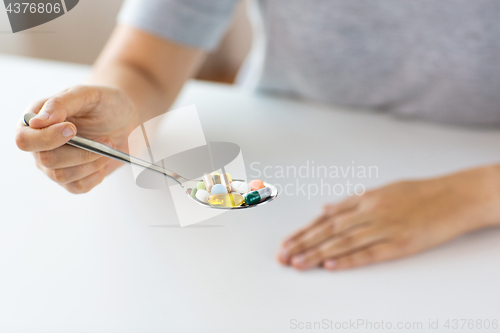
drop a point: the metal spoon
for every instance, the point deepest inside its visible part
(186, 184)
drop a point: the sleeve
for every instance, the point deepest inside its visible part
(196, 23)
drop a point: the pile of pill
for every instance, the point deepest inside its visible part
(220, 191)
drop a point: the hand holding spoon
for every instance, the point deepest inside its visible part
(186, 184)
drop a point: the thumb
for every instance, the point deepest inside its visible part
(73, 102)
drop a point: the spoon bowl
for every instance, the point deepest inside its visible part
(186, 184)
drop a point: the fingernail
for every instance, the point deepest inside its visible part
(330, 264)
(42, 115)
(68, 131)
(298, 260)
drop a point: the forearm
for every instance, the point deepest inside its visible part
(149, 69)
(148, 98)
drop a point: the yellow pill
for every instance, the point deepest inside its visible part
(229, 177)
(226, 200)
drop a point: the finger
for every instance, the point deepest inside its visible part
(74, 101)
(345, 205)
(369, 255)
(319, 233)
(336, 246)
(314, 236)
(35, 106)
(67, 156)
(299, 233)
(341, 223)
(86, 184)
(72, 174)
(52, 137)
(329, 210)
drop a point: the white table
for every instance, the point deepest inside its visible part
(115, 260)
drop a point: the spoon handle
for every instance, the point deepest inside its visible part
(99, 148)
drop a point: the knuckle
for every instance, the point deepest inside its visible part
(91, 93)
(331, 227)
(21, 141)
(80, 187)
(85, 156)
(347, 241)
(46, 158)
(56, 102)
(368, 255)
(60, 175)
(70, 189)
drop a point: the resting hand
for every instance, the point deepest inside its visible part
(103, 114)
(396, 221)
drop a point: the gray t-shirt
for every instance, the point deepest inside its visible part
(432, 59)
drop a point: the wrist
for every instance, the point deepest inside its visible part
(488, 192)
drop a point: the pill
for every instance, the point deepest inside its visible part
(201, 186)
(209, 182)
(226, 200)
(257, 196)
(215, 173)
(240, 187)
(229, 177)
(218, 189)
(202, 195)
(224, 180)
(193, 192)
(256, 184)
(216, 177)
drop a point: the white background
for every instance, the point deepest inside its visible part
(115, 260)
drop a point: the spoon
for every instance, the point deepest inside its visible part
(186, 184)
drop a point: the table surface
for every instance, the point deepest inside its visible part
(115, 259)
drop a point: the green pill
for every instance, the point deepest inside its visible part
(255, 197)
(201, 186)
(193, 192)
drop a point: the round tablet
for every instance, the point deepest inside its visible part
(218, 189)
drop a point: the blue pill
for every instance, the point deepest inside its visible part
(218, 189)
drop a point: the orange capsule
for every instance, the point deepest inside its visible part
(256, 184)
